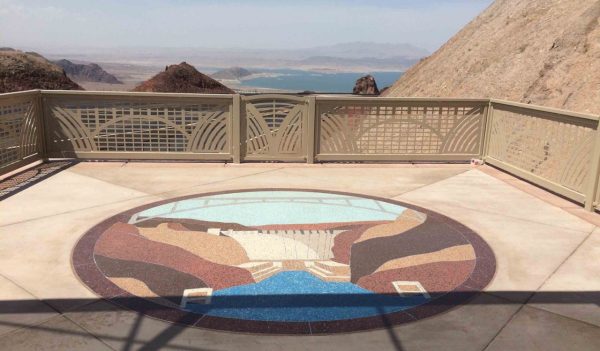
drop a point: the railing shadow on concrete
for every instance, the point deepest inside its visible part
(166, 338)
(558, 150)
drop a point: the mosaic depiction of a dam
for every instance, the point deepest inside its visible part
(286, 256)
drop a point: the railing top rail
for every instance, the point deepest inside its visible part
(17, 94)
(397, 99)
(274, 96)
(551, 110)
(134, 94)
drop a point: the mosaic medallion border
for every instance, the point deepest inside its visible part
(88, 272)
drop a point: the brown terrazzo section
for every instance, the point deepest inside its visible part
(436, 277)
(215, 248)
(161, 280)
(481, 275)
(119, 242)
(430, 236)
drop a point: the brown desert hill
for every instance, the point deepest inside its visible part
(90, 72)
(183, 78)
(27, 70)
(544, 52)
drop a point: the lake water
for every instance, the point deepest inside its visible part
(297, 80)
(298, 296)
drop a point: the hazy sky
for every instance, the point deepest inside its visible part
(231, 23)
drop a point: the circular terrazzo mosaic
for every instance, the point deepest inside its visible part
(288, 261)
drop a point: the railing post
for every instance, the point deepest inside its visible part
(311, 131)
(594, 173)
(488, 114)
(236, 140)
(40, 111)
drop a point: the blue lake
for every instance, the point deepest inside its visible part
(298, 296)
(297, 80)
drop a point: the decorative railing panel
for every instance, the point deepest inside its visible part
(274, 127)
(385, 128)
(19, 130)
(555, 149)
(125, 124)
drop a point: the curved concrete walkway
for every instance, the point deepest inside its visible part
(545, 294)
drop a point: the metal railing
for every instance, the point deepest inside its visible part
(556, 149)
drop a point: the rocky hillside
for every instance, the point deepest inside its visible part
(544, 52)
(232, 73)
(28, 70)
(90, 72)
(183, 78)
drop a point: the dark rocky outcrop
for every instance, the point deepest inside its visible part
(25, 71)
(183, 78)
(90, 72)
(365, 86)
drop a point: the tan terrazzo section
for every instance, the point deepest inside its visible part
(215, 248)
(451, 254)
(406, 221)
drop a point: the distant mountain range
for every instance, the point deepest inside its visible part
(354, 56)
(233, 73)
(89, 72)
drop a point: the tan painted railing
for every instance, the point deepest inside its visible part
(556, 149)
(20, 130)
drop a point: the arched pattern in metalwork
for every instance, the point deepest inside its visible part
(274, 127)
(400, 128)
(19, 130)
(140, 126)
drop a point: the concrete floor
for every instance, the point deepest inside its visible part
(545, 294)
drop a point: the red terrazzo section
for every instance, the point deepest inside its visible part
(435, 277)
(120, 241)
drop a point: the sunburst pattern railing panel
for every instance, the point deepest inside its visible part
(139, 125)
(19, 129)
(274, 127)
(552, 147)
(400, 128)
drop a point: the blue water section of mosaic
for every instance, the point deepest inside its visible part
(298, 296)
(257, 208)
